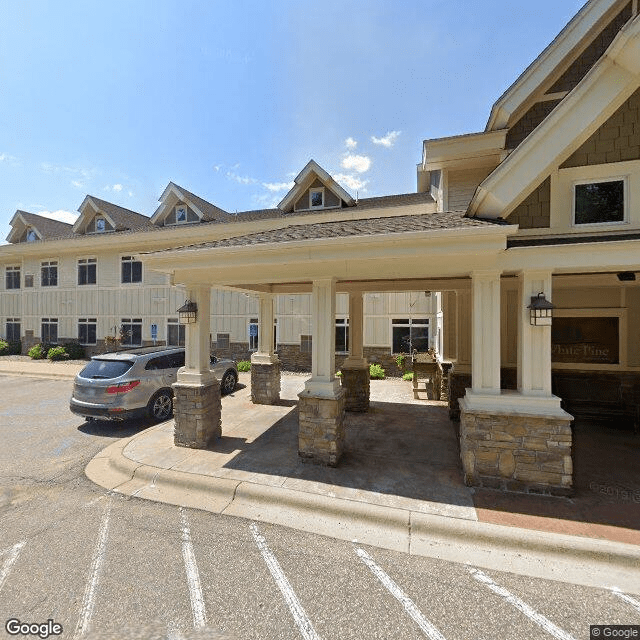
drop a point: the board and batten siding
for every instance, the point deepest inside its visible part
(462, 185)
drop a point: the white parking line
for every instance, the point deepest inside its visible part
(193, 577)
(12, 555)
(522, 606)
(298, 613)
(89, 599)
(628, 599)
(425, 625)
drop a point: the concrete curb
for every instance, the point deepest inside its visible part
(38, 374)
(591, 562)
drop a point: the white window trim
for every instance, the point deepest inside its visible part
(597, 313)
(313, 190)
(95, 224)
(343, 321)
(625, 204)
(52, 262)
(130, 284)
(34, 230)
(410, 323)
(87, 321)
(186, 214)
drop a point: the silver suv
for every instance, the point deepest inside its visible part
(137, 383)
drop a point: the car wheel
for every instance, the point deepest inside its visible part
(229, 380)
(160, 406)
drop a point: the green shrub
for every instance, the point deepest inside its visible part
(38, 352)
(376, 371)
(400, 361)
(408, 376)
(57, 353)
(10, 348)
(338, 374)
(75, 351)
(244, 365)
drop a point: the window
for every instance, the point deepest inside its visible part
(222, 340)
(12, 333)
(87, 331)
(131, 270)
(87, 271)
(316, 198)
(49, 273)
(253, 334)
(342, 335)
(175, 333)
(32, 236)
(13, 277)
(131, 332)
(410, 334)
(28, 280)
(306, 344)
(597, 202)
(181, 213)
(49, 330)
(100, 224)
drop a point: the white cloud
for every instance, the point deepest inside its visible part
(356, 163)
(130, 194)
(77, 184)
(117, 188)
(387, 140)
(240, 179)
(350, 143)
(5, 157)
(278, 186)
(60, 214)
(352, 183)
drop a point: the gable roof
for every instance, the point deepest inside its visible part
(610, 82)
(304, 180)
(350, 228)
(206, 211)
(45, 227)
(578, 31)
(120, 218)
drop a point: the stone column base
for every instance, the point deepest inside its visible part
(265, 383)
(444, 380)
(516, 452)
(356, 383)
(198, 411)
(321, 428)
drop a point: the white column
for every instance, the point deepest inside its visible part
(197, 368)
(485, 334)
(534, 342)
(323, 309)
(356, 332)
(265, 353)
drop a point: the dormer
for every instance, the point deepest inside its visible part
(99, 216)
(29, 227)
(181, 207)
(315, 189)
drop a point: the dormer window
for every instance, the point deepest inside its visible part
(316, 198)
(100, 225)
(32, 236)
(181, 214)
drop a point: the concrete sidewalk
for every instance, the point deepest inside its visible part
(399, 486)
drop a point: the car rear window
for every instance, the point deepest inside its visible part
(106, 369)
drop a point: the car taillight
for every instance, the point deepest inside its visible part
(123, 387)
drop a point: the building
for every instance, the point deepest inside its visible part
(83, 282)
(542, 207)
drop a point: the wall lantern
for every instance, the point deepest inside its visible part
(540, 311)
(188, 312)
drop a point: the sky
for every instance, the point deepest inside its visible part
(231, 99)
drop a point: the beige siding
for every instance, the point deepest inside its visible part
(462, 185)
(587, 298)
